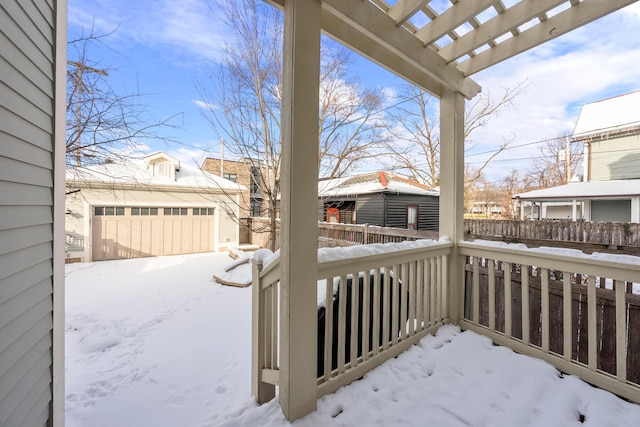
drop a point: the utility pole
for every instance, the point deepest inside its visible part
(76, 77)
(567, 159)
(222, 157)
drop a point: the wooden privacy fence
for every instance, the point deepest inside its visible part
(604, 233)
(333, 235)
(576, 313)
(377, 306)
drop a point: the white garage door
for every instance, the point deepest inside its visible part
(133, 232)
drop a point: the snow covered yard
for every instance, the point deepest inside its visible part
(156, 342)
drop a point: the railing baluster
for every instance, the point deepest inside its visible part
(342, 320)
(366, 314)
(444, 286)
(433, 284)
(476, 290)
(426, 300)
(507, 300)
(524, 274)
(413, 302)
(395, 312)
(328, 328)
(621, 331)
(386, 307)
(439, 288)
(355, 314)
(275, 315)
(404, 290)
(591, 323)
(567, 319)
(492, 294)
(376, 312)
(544, 291)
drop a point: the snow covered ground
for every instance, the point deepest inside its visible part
(156, 342)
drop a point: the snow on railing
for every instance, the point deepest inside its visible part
(399, 296)
(573, 310)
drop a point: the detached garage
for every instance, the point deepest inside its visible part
(148, 208)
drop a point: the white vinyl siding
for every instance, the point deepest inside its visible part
(616, 158)
(27, 34)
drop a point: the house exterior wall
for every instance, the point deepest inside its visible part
(370, 209)
(611, 210)
(427, 211)
(29, 264)
(616, 158)
(79, 206)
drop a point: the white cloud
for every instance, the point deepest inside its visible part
(204, 105)
(184, 32)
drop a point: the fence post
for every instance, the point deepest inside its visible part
(262, 391)
(365, 235)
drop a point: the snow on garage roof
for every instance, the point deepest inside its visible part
(136, 173)
(373, 182)
(586, 190)
(608, 115)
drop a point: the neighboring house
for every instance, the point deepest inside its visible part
(245, 173)
(610, 190)
(378, 198)
(488, 208)
(149, 207)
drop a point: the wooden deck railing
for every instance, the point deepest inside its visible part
(574, 312)
(333, 235)
(376, 306)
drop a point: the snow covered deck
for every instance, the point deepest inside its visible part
(405, 292)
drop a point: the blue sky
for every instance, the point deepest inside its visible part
(161, 46)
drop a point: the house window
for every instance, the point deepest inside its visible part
(256, 208)
(256, 180)
(230, 176)
(412, 217)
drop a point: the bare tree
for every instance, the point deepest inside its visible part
(103, 125)
(351, 124)
(558, 162)
(242, 101)
(414, 126)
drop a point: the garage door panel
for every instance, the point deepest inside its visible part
(132, 236)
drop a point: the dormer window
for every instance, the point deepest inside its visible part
(162, 165)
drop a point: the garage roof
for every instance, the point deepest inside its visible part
(586, 190)
(136, 173)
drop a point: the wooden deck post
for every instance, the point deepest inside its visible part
(263, 392)
(452, 194)
(299, 239)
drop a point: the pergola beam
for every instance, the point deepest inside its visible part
(568, 20)
(451, 19)
(386, 58)
(368, 20)
(363, 27)
(496, 27)
(405, 9)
